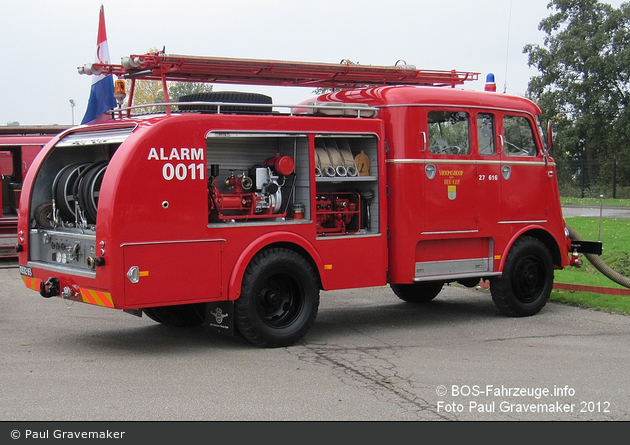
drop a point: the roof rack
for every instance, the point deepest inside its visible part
(169, 67)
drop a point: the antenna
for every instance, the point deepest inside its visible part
(507, 48)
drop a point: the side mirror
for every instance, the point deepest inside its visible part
(549, 135)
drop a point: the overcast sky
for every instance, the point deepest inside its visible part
(43, 42)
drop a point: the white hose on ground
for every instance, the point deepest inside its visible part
(596, 261)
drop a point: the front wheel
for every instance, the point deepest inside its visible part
(279, 298)
(527, 280)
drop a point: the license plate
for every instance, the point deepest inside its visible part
(26, 271)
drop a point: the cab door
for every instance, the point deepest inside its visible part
(450, 174)
(525, 176)
(488, 171)
(451, 245)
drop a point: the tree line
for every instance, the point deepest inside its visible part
(583, 86)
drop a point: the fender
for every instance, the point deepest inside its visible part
(234, 283)
(521, 232)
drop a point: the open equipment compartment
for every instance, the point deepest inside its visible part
(347, 184)
(256, 176)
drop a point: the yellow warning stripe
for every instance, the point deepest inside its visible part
(32, 283)
(89, 296)
(96, 297)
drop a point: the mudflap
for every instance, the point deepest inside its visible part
(220, 317)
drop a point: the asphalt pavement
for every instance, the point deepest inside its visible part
(368, 357)
(606, 212)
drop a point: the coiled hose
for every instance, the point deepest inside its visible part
(597, 262)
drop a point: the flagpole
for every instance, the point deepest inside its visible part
(102, 99)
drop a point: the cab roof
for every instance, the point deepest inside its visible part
(406, 95)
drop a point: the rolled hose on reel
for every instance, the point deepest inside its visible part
(76, 186)
(597, 262)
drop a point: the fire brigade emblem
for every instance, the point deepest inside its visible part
(452, 192)
(219, 315)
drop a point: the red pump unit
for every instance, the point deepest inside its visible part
(338, 212)
(264, 202)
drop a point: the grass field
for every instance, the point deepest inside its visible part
(616, 248)
(594, 202)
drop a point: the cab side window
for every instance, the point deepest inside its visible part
(449, 132)
(485, 134)
(519, 136)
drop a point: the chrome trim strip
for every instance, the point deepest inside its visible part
(535, 221)
(62, 269)
(155, 243)
(467, 161)
(450, 232)
(455, 276)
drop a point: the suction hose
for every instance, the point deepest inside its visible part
(596, 261)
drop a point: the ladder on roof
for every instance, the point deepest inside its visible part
(168, 67)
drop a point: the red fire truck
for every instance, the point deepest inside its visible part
(228, 210)
(18, 146)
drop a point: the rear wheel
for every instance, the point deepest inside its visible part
(527, 279)
(420, 292)
(279, 298)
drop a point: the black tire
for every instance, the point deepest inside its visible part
(420, 292)
(182, 316)
(527, 279)
(43, 216)
(469, 282)
(279, 298)
(227, 97)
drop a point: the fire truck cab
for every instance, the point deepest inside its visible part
(227, 210)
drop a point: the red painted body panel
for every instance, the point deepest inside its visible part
(437, 217)
(487, 211)
(160, 224)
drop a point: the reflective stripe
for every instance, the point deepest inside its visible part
(97, 298)
(32, 283)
